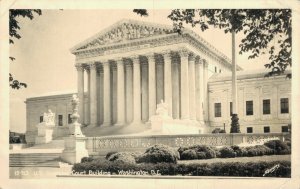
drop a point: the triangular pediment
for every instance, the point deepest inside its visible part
(122, 31)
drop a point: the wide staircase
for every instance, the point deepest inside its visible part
(34, 160)
(44, 155)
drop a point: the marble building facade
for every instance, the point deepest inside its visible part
(132, 66)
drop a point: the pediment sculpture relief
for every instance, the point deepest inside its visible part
(126, 32)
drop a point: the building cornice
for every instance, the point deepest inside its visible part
(151, 42)
(168, 36)
(49, 97)
(221, 78)
(248, 82)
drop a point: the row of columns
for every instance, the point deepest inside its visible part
(184, 88)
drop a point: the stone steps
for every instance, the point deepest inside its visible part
(34, 160)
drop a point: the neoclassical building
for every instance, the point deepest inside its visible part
(127, 69)
(132, 66)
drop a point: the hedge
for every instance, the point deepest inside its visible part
(249, 169)
(206, 152)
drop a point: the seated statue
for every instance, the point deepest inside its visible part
(49, 118)
(162, 109)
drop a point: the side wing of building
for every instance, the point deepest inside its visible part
(264, 103)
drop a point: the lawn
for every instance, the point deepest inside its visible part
(240, 159)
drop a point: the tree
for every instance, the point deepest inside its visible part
(265, 30)
(14, 27)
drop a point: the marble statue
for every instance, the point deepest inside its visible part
(75, 102)
(75, 126)
(49, 118)
(162, 109)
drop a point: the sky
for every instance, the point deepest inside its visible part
(45, 63)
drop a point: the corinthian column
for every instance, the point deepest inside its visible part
(137, 114)
(80, 89)
(175, 90)
(168, 81)
(129, 92)
(192, 87)
(152, 86)
(120, 93)
(93, 96)
(199, 90)
(87, 109)
(184, 79)
(106, 95)
(205, 78)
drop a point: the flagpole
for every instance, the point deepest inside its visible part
(234, 84)
(235, 126)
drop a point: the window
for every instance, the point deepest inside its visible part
(249, 130)
(216, 69)
(284, 129)
(220, 71)
(266, 129)
(41, 119)
(249, 107)
(60, 120)
(230, 108)
(284, 105)
(217, 109)
(69, 119)
(266, 106)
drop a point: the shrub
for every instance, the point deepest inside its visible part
(109, 154)
(159, 153)
(209, 151)
(217, 151)
(264, 150)
(87, 159)
(201, 155)
(218, 130)
(122, 157)
(240, 151)
(227, 152)
(289, 144)
(202, 151)
(136, 155)
(188, 154)
(278, 146)
(182, 149)
(251, 151)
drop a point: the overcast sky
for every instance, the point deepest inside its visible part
(44, 62)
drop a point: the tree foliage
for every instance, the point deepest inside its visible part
(14, 27)
(141, 12)
(265, 30)
(14, 24)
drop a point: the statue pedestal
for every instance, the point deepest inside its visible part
(75, 149)
(45, 132)
(157, 123)
(162, 123)
(75, 143)
(75, 129)
(167, 125)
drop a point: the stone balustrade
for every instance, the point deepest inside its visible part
(100, 146)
